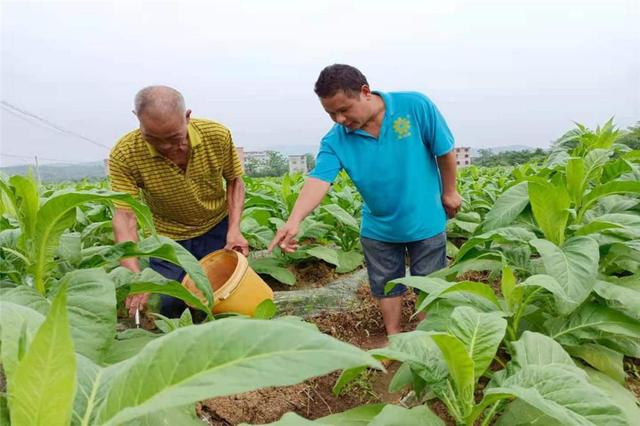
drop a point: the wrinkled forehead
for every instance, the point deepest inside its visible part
(163, 127)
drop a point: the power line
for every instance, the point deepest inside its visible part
(15, 110)
(27, 157)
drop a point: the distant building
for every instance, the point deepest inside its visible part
(259, 156)
(298, 164)
(106, 166)
(463, 156)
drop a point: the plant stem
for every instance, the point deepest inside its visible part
(490, 415)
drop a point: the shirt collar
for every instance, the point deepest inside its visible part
(194, 140)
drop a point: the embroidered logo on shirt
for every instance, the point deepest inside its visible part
(402, 127)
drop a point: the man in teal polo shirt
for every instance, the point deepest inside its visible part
(398, 150)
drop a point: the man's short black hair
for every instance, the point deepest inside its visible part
(338, 77)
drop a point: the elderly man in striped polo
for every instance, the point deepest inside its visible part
(177, 164)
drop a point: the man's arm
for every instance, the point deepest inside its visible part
(125, 228)
(235, 201)
(450, 198)
(310, 197)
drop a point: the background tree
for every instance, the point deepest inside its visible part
(311, 161)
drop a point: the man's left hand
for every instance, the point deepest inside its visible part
(451, 202)
(235, 241)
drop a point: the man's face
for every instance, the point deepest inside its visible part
(167, 134)
(350, 110)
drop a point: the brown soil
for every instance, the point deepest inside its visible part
(632, 367)
(309, 274)
(361, 326)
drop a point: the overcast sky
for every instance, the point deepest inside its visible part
(502, 72)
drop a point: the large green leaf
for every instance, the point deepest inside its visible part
(393, 415)
(618, 394)
(481, 334)
(425, 284)
(344, 261)
(70, 248)
(312, 229)
(508, 206)
(93, 382)
(358, 416)
(273, 267)
(27, 202)
(519, 413)
(561, 394)
(58, 213)
(627, 225)
(369, 415)
(158, 247)
(624, 298)
(182, 416)
(550, 204)
(91, 304)
(574, 267)
(471, 287)
(604, 359)
(349, 261)
(593, 321)
(128, 344)
(418, 349)
(538, 349)
(512, 234)
(623, 256)
(43, 385)
(26, 296)
(18, 325)
(576, 179)
(615, 169)
(511, 293)
(259, 236)
(149, 281)
(609, 188)
(533, 349)
(461, 369)
(341, 215)
(223, 357)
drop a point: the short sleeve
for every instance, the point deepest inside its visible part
(327, 164)
(435, 132)
(121, 179)
(232, 168)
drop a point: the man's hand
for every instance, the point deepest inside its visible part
(136, 301)
(235, 241)
(451, 202)
(285, 238)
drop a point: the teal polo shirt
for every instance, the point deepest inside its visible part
(396, 174)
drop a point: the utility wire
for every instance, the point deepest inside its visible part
(27, 157)
(22, 113)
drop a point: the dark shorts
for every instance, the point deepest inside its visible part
(200, 246)
(386, 261)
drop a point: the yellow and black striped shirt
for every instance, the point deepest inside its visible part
(184, 204)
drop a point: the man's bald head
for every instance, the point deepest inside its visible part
(163, 119)
(158, 101)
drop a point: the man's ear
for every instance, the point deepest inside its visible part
(365, 91)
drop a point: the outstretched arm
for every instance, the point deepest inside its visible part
(310, 197)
